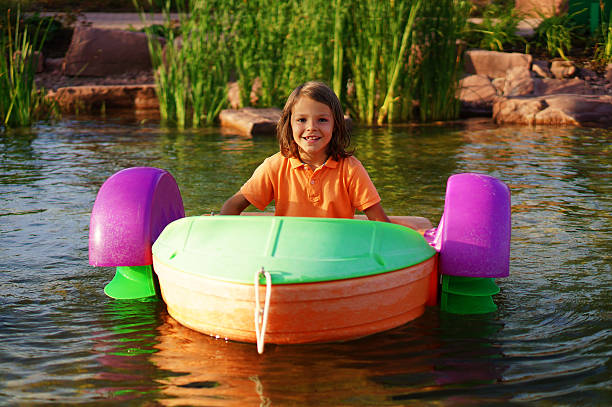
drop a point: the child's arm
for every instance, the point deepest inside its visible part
(376, 212)
(235, 205)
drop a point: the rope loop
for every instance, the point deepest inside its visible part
(261, 315)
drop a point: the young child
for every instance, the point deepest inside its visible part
(313, 174)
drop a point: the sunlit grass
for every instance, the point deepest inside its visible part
(21, 102)
(192, 68)
(381, 57)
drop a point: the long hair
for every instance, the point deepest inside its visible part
(341, 138)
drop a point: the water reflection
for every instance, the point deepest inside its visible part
(434, 357)
(62, 341)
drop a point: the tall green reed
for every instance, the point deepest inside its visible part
(260, 34)
(603, 52)
(438, 63)
(193, 65)
(380, 48)
(21, 102)
(311, 51)
(371, 52)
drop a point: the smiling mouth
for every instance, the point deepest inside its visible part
(312, 138)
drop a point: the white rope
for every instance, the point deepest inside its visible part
(261, 316)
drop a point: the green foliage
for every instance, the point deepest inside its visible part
(440, 65)
(497, 31)
(557, 33)
(603, 51)
(192, 69)
(380, 41)
(369, 51)
(21, 102)
(259, 49)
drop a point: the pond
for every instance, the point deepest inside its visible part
(62, 341)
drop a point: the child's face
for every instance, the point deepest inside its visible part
(312, 124)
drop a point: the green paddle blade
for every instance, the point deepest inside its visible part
(468, 295)
(465, 304)
(469, 286)
(131, 282)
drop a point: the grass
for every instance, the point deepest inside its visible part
(603, 52)
(21, 102)
(557, 33)
(192, 66)
(440, 64)
(497, 31)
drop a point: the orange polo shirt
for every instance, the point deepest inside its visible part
(334, 190)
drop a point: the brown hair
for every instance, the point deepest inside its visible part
(341, 138)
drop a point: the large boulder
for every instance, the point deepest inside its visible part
(577, 110)
(102, 52)
(536, 8)
(476, 93)
(494, 64)
(549, 86)
(519, 82)
(563, 69)
(102, 97)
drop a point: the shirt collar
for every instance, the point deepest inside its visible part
(295, 163)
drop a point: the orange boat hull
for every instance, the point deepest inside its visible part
(300, 313)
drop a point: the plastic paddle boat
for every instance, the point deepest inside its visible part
(291, 280)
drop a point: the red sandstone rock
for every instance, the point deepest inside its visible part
(517, 110)
(609, 73)
(250, 121)
(563, 69)
(87, 98)
(535, 7)
(541, 69)
(548, 86)
(494, 64)
(518, 82)
(476, 89)
(555, 110)
(476, 94)
(100, 52)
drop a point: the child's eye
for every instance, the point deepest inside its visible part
(301, 120)
(323, 120)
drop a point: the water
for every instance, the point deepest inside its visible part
(62, 341)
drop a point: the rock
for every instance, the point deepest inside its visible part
(250, 121)
(233, 93)
(518, 82)
(548, 8)
(608, 74)
(548, 86)
(540, 68)
(476, 95)
(580, 110)
(588, 74)
(88, 98)
(563, 69)
(54, 64)
(499, 84)
(100, 52)
(584, 109)
(517, 110)
(494, 64)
